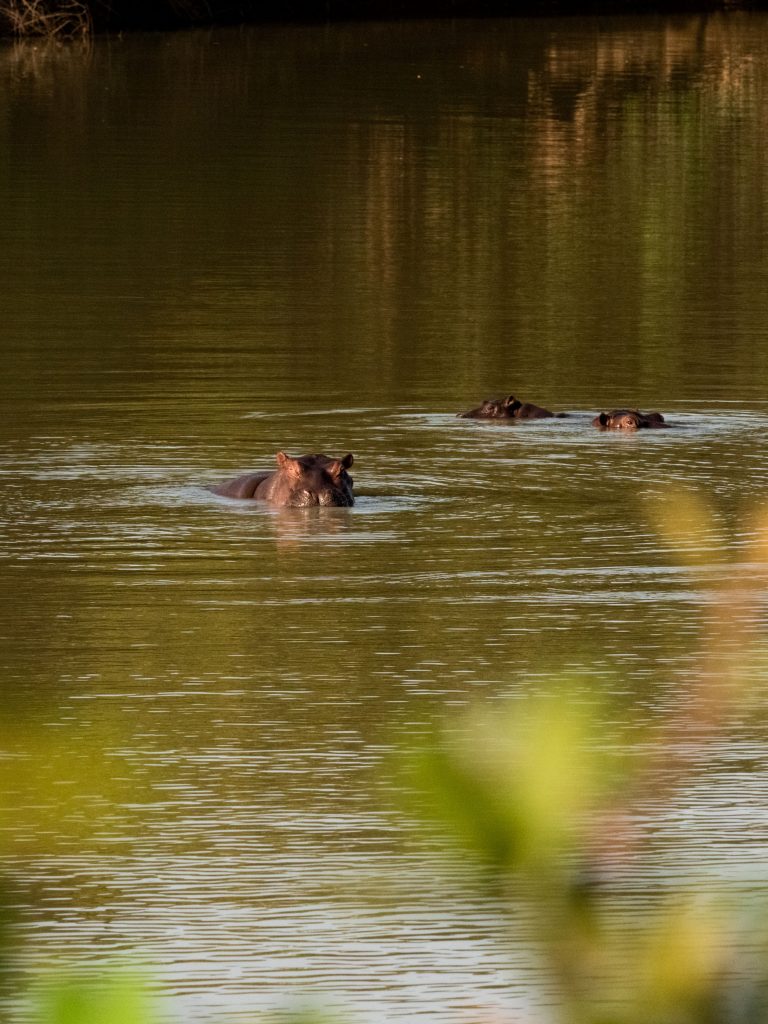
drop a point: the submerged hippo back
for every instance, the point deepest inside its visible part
(529, 411)
(490, 409)
(509, 408)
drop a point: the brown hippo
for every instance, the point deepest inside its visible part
(297, 482)
(628, 419)
(508, 408)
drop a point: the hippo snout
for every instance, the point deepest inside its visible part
(325, 498)
(338, 499)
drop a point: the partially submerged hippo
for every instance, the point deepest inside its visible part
(509, 408)
(297, 482)
(628, 419)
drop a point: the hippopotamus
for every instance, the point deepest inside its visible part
(297, 482)
(509, 408)
(628, 419)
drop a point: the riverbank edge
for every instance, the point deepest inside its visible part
(72, 18)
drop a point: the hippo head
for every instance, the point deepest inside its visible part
(494, 409)
(312, 480)
(628, 420)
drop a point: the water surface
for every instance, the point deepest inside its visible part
(217, 245)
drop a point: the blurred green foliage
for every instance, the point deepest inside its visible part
(121, 997)
(515, 783)
(545, 790)
(118, 998)
(533, 793)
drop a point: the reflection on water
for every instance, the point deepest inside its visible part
(226, 244)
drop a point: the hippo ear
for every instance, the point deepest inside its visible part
(604, 418)
(285, 462)
(510, 400)
(337, 467)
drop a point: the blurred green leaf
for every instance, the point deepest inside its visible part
(685, 523)
(517, 783)
(117, 998)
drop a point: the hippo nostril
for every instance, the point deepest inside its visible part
(337, 499)
(305, 498)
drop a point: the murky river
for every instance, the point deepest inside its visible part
(218, 245)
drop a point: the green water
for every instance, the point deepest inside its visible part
(217, 245)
